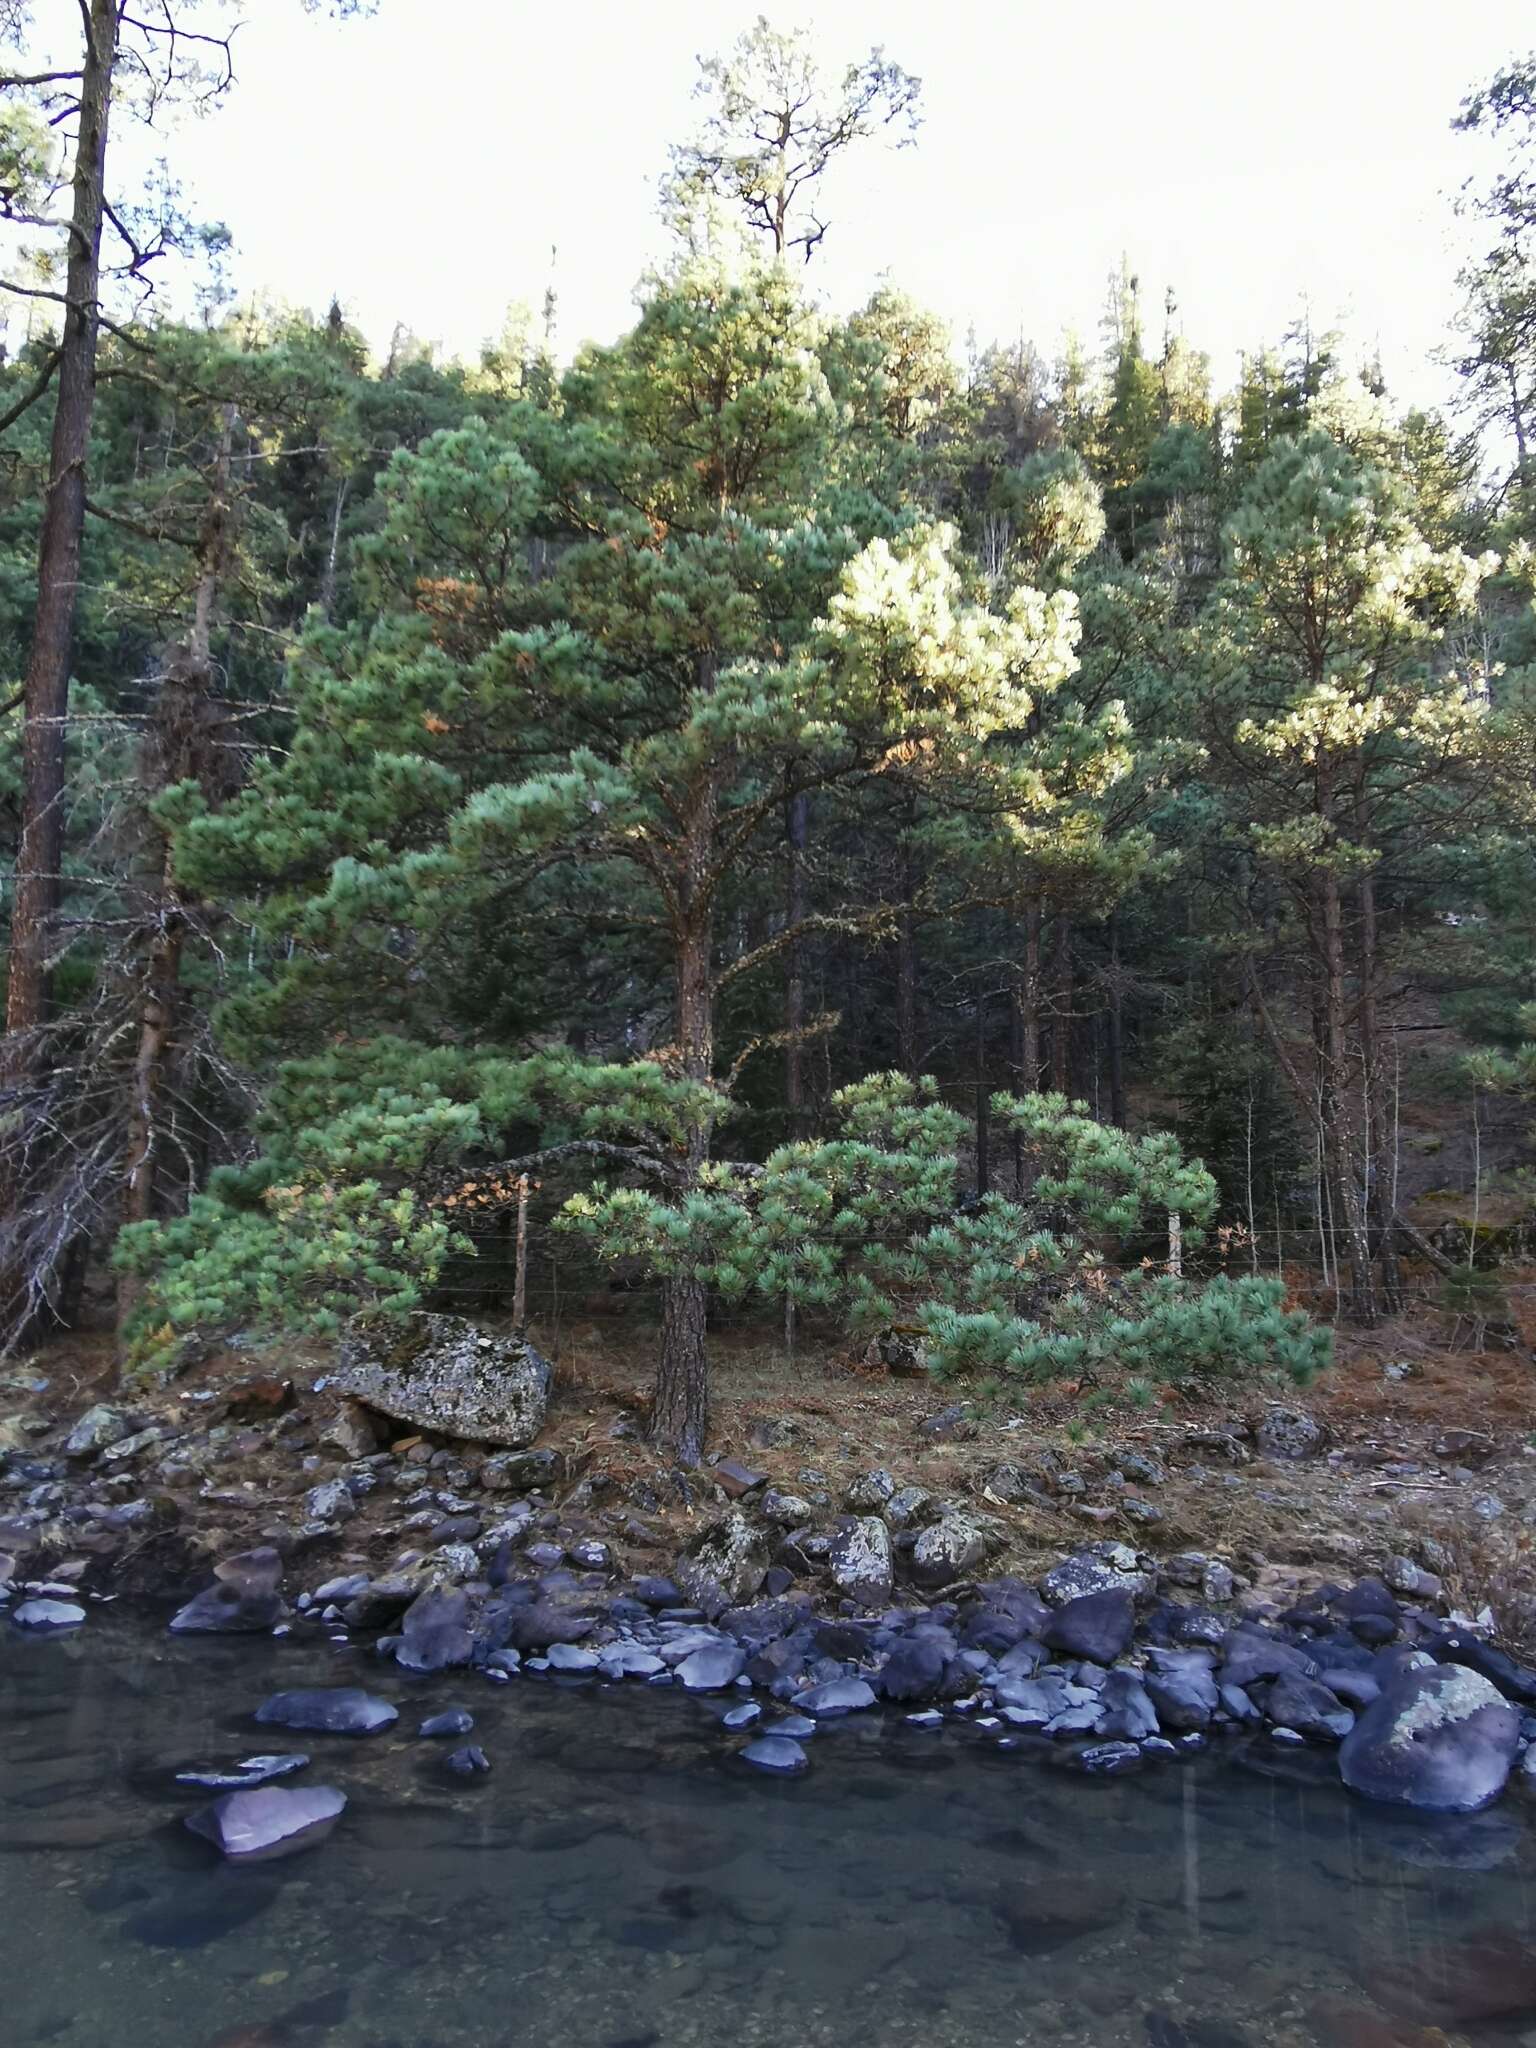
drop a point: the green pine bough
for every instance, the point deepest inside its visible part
(358, 1207)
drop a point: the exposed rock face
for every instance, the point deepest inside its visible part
(243, 1600)
(272, 1821)
(446, 1374)
(1440, 1738)
(725, 1563)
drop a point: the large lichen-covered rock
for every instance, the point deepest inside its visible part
(1440, 1738)
(445, 1373)
(724, 1564)
(860, 1559)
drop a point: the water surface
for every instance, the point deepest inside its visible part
(622, 1881)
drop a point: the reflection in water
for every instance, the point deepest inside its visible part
(621, 1880)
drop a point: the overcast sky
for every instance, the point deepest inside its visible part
(421, 165)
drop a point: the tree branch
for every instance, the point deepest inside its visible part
(469, 1189)
(33, 393)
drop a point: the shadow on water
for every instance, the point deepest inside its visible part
(621, 1880)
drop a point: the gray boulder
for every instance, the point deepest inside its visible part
(272, 1821)
(434, 1631)
(444, 1373)
(97, 1428)
(1183, 1689)
(951, 1549)
(330, 1502)
(1441, 1739)
(777, 1755)
(1288, 1433)
(1308, 1706)
(870, 1491)
(860, 1559)
(837, 1696)
(724, 1564)
(918, 1667)
(713, 1668)
(243, 1599)
(1127, 1713)
(350, 1430)
(1102, 1568)
(46, 1615)
(1097, 1626)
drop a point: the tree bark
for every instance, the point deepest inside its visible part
(1346, 1165)
(1029, 1000)
(178, 750)
(680, 1409)
(39, 857)
(906, 963)
(983, 1161)
(1116, 1029)
(1061, 997)
(680, 1414)
(796, 828)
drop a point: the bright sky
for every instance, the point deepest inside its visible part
(420, 165)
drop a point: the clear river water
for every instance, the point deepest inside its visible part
(622, 1880)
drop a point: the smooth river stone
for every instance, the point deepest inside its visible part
(271, 1821)
(329, 1710)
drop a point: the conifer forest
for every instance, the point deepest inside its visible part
(768, 1091)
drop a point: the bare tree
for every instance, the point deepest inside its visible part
(773, 127)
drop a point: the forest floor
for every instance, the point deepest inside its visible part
(1423, 1452)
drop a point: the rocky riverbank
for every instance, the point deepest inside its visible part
(797, 1585)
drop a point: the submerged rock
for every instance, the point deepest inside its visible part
(775, 1754)
(1440, 1738)
(469, 1762)
(273, 1821)
(453, 1721)
(444, 1373)
(249, 1772)
(329, 1710)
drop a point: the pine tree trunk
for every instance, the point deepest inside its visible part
(1029, 1000)
(1374, 1162)
(906, 965)
(1061, 995)
(1116, 1030)
(680, 1408)
(983, 1134)
(796, 828)
(40, 854)
(680, 1412)
(1338, 1112)
(176, 752)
